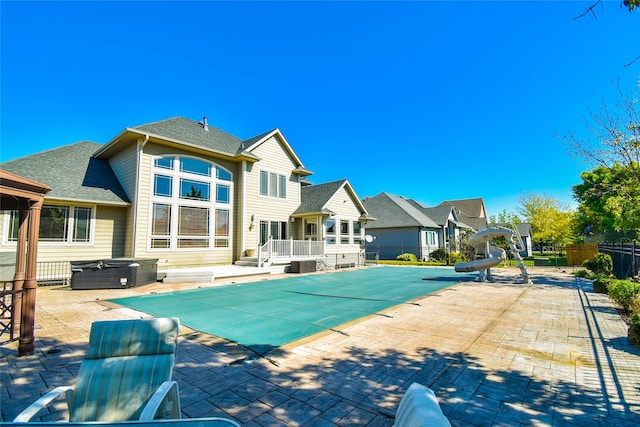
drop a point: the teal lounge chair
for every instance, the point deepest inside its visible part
(125, 375)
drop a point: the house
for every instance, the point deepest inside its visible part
(406, 226)
(470, 211)
(526, 235)
(185, 193)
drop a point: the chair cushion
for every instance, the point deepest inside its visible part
(133, 337)
(117, 388)
(419, 408)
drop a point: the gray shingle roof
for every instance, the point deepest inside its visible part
(396, 212)
(72, 173)
(315, 197)
(471, 211)
(192, 132)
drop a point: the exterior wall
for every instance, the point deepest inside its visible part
(391, 242)
(176, 258)
(274, 158)
(108, 239)
(345, 208)
(124, 166)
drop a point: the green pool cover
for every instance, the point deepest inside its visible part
(268, 314)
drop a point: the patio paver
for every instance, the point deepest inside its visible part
(549, 354)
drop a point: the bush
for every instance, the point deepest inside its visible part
(634, 305)
(439, 255)
(582, 273)
(407, 257)
(456, 257)
(623, 292)
(601, 284)
(634, 330)
(600, 264)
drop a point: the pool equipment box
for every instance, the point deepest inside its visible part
(306, 266)
(116, 273)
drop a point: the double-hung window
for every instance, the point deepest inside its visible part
(273, 185)
(190, 204)
(330, 227)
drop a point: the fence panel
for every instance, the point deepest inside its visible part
(625, 257)
(580, 252)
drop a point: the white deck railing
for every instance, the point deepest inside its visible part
(287, 250)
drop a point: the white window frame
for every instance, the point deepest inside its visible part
(69, 232)
(275, 186)
(212, 241)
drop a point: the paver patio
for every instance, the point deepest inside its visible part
(549, 354)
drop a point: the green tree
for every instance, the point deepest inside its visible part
(551, 222)
(505, 217)
(609, 198)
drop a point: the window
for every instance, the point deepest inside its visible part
(276, 230)
(58, 224)
(357, 232)
(431, 238)
(273, 185)
(184, 213)
(310, 230)
(344, 232)
(331, 231)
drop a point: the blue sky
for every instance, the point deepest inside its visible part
(428, 100)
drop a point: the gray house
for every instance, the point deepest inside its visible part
(406, 226)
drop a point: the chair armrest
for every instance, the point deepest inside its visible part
(164, 403)
(39, 404)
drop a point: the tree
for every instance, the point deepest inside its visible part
(551, 223)
(505, 217)
(617, 137)
(609, 198)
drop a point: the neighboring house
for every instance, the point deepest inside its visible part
(470, 211)
(180, 191)
(406, 226)
(524, 229)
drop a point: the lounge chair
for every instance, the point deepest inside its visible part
(125, 375)
(419, 408)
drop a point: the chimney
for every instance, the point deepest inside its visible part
(205, 125)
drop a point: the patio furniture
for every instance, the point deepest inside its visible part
(419, 408)
(125, 375)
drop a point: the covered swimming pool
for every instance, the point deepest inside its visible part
(271, 313)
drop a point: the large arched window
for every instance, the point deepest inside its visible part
(190, 204)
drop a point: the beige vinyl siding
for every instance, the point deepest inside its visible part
(345, 208)
(108, 239)
(179, 258)
(124, 167)
(274, 158)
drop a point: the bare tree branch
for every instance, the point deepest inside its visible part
(589, 11)
(637, 57)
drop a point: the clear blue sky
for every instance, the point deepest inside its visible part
(428, 100)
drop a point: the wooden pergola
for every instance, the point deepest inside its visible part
(26, 197)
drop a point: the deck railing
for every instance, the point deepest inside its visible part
(287, 250)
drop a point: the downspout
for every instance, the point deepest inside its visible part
(137, 191)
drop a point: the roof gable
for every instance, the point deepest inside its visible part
(315, 198)
(72, 173)
(396, 212)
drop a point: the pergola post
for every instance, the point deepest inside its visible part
(28, 316)
(21, 258)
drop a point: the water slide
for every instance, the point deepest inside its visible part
(493, 255)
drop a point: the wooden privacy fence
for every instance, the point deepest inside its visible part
(580, 252)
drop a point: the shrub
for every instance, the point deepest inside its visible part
(634, 330)
(623, 292)
(455, 257)
(407, 257)
(439, 255)
(634, 305)
(601, 284)
(600, 264)
(582, 273)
